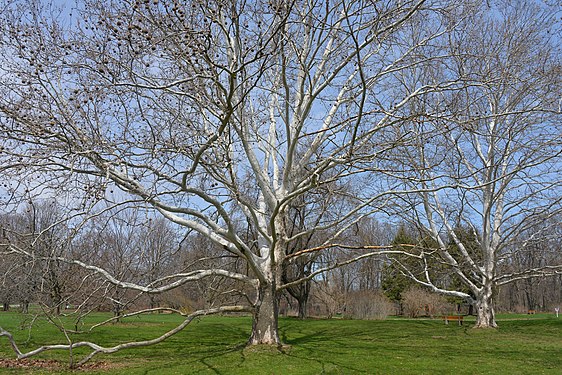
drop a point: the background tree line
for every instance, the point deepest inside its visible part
(139, 248)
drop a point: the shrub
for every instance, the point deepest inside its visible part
(417, 301)
(369, 305)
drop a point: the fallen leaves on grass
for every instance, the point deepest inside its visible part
(48, 364)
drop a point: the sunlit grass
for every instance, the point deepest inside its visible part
(215, 345)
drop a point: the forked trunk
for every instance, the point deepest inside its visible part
(24, 307)
(264, 326)
(485, 316)
(303, 307)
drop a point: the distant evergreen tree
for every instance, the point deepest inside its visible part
(394, 282)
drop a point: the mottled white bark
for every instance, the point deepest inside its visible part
(485, 315)
(265, 316)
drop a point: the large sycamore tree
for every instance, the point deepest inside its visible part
(217, 115)
(486, 158)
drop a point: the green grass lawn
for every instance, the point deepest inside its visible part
(214, 345)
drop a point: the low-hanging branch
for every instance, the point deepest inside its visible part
(180, 278)
(97, 349)
(297, 254)
(544, 271)
(348, 261)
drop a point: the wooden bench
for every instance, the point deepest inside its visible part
(452, 318)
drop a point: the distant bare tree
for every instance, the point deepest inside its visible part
(542, 248)
(40, 233)
(487, 155)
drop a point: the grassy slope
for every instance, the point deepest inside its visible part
(215, 345)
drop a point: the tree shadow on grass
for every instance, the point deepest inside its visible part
(205, 360)
(327, 349)
(311, 347)
(209, 361)
(301, 350)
